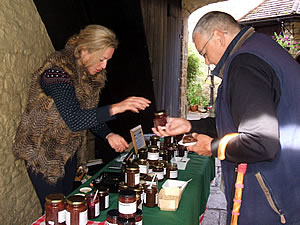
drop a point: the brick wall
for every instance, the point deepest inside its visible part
(24, 44)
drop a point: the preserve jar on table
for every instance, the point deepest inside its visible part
(127, 203)
(77, 210)
(55, 209)
(151, 195)
(103, 193)
(132, 175)
(112, 217)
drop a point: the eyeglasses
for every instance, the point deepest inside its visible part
(201, 52)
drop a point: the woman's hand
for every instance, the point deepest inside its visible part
(174, 127)
(134, 104)
(203, 145)
(117, 142)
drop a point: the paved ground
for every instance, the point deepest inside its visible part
(215, 213)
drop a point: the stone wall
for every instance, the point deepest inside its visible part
(24, 44)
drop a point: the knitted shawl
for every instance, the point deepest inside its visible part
(43, 139)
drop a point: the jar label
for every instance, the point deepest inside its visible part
(153, 156)
(61, 216)
(125, 178)
(173, 174)
(160, 175)
(97, 209)
(160, 158)
(139, 223)
(127, 208)
(106, 201)
(136, 178)
(143, 169)
(68, 218)
(156, 198)
(165, 170)
(83, 217)
(50, 223)
(108, 223)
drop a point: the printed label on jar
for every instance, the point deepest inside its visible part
(136, 178)
(127, 208)
(62, 216)
(108, 223)
(173, 174)
(97, 209)
(159, 175)
(125, 178)
(106, 201)
(143, 169)
(153, 156)
(50, 223)
(83, 217)
(165, 170)
(68, 218)
(156, 198)
(139, 223)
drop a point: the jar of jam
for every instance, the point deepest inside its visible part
(122, 186)
(155, 140)
(112, 217)
(93, 206)
(149, 179)
(55, 209)
(103, 193)
(167, 141)
(127, 203)
(124, 221)
(164, 164)
(160, 119)
(181, 150)
(132, 175)
(153, 153)
(151, 196)
(163, 154)
(139, 217)
(159, 171)
(139, 190)
(172, 171)
(143, 166)
(171, 153)
(142, 153)
(77, 213)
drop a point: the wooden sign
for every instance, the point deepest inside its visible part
(137, 138)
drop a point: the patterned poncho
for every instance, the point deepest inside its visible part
(43, 139)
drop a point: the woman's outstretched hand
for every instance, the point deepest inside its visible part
(133, 104)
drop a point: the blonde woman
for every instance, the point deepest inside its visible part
(62, 106)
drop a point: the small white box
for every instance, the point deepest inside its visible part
(174, 184)
(181, 162)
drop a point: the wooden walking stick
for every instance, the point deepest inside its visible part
(237, 201)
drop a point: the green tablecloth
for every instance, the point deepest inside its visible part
(193, 201)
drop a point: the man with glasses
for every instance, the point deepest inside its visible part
(257, 120)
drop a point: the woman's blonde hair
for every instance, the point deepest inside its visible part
(95, 39)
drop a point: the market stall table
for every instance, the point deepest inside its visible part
(201, 169)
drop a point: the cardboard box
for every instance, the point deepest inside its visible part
(170, 194)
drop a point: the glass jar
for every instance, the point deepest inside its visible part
(159, 171)
(77, 213)
(132, 175)
(55, 209)
(112, 217)
(127, 203)
(167, 141)
(149, 179)
(124, 221)
(103, 193)
(139, 195)
(181, 150)
(171, 153)
(142, 153)
(172, 171)
(163, 154)
(153, 153)
(160, 119)
(151, 196)
(143, 166)
(93, 206)
(155, 140)
(139, 217)
(164, 164)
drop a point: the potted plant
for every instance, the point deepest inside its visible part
(193, 96)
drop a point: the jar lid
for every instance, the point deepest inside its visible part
(132, 167)
(153, 147)
(76, 200)
(172, 165)
(142, 160)
(55, 198)
(159, 113)
(158, 166)
(154, 137)
(142, 150)
(123, 221)
(113, 214)
(127, 193)
(102, 189)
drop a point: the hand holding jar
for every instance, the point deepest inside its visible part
(174, 126)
